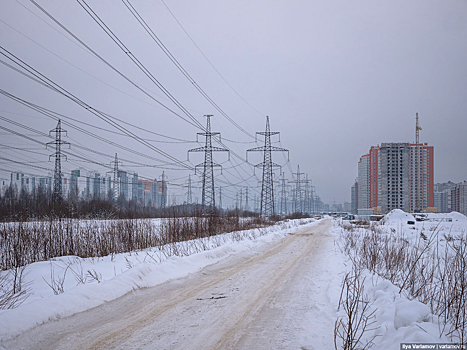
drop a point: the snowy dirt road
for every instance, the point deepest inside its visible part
(282, 297)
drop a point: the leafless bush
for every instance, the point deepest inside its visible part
(24, 243)
(179, 229)
(57, 282)
(13, 290)
(450, 294)
(357, 319)
(94, 275)
(78, 273)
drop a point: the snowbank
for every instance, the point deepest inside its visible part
(397, 216)
(448, 217)
(399, 319)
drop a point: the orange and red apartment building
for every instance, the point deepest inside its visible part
(396, 176)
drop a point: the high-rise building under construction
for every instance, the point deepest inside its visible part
(396, 176)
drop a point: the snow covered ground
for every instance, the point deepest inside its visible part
(277, 288)
(400, 318)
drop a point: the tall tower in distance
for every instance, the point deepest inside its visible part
(417, 174)
(421, 173)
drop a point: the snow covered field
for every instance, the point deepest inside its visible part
(271, 288)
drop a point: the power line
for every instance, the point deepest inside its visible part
(59, 115)
(49, 86)
(156, 39)
(138, 63)
(79, 146)
(196, 124)
(132, 56)
(87, 159)
(57, 88)
(207, 59)
(73, 65)
(135, 60)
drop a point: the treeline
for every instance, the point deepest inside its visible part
(23, 205)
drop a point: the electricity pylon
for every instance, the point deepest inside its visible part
(58, 131)
(297, 193)
(241, 200)
(306, 207)
(283, 196)
(208, 196)
(313, 199)
(267, 186)
(116, 178)
(163, 191)
(246, 198)
(189, 194)
(220, 198)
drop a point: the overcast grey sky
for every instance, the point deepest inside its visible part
(335, 77)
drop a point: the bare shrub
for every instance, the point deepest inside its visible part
(94, 275)
(349, 329)
(13, 290)
(57, 282)
(179, 229)
(78, 273)
(23, 243)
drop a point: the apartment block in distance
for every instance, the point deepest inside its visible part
(421, 181)
(363, 183)
(442, 195)
(396, 175)
(459, 197)
(393, 191)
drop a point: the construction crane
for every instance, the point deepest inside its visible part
(418, 206)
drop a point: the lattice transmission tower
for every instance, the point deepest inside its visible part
(208, 195)
(267, 184)
(283, 195)
(307, 190)
(298, 191)
(116, 178)
(163, 190)
(241, 199)
(246, 199)
(189, 195)
(58, 155)
(220, 198)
